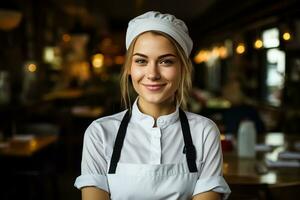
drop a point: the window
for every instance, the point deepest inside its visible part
(275, 67)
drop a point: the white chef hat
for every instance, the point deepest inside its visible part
(165, 23)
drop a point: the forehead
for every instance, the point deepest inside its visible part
(154, 43)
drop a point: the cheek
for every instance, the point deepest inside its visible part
(136, 73)
(174, 76)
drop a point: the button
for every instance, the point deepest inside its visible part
(161, 121)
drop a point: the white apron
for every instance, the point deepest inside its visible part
(152, 182)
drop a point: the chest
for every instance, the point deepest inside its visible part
(143, 171)
(153, 145)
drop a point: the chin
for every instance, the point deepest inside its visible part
(153, 99)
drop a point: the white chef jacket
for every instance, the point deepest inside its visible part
(154, 146)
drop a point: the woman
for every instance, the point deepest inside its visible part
(167, 153)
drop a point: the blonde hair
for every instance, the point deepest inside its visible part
(185, 85)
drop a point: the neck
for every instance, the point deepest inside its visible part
(156, 110)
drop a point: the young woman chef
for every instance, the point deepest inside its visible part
(154, 150)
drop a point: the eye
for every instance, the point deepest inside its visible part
(140, 61)
(167, 62)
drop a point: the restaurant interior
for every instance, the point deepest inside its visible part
(60, 62)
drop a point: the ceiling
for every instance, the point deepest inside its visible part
(205, 18)
(201, 15)
(126, 9)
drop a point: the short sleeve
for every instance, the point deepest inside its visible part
(211, 177)
(93, 163)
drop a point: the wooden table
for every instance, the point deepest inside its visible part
(63, 94)
(242, 171)
(92, 112)
(27, 148)
(28, 168)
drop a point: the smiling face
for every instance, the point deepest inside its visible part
(155, 70)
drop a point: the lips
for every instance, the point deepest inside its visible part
(154, 87)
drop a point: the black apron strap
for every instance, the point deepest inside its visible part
(190, 149)
(119, 143)
(188, 142)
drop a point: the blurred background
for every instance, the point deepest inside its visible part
(59, 70)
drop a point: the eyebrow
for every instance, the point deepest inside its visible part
(159, 57)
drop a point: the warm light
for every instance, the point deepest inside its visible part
(31, 67)
(33, 144)
(202, 56)
(49, 54)
(98, 60)
(225, 167)
(222, 137)
(240, 49)
(66, 37)
(9, 19)
(216, 52)
(286, 36)
(258, 43)
(80, 70)
(223, 53)
(119, 60)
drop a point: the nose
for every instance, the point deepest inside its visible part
(153, 72)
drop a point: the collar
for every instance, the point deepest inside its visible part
(148, 121)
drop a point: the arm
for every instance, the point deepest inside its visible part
(207, 196)
(93, 180)
(211, 183)
(93, 193)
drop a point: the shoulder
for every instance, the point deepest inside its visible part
(105, 126)
(109, 120)
(202, 125)
(196, 119)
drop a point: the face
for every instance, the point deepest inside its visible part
(155, 69)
